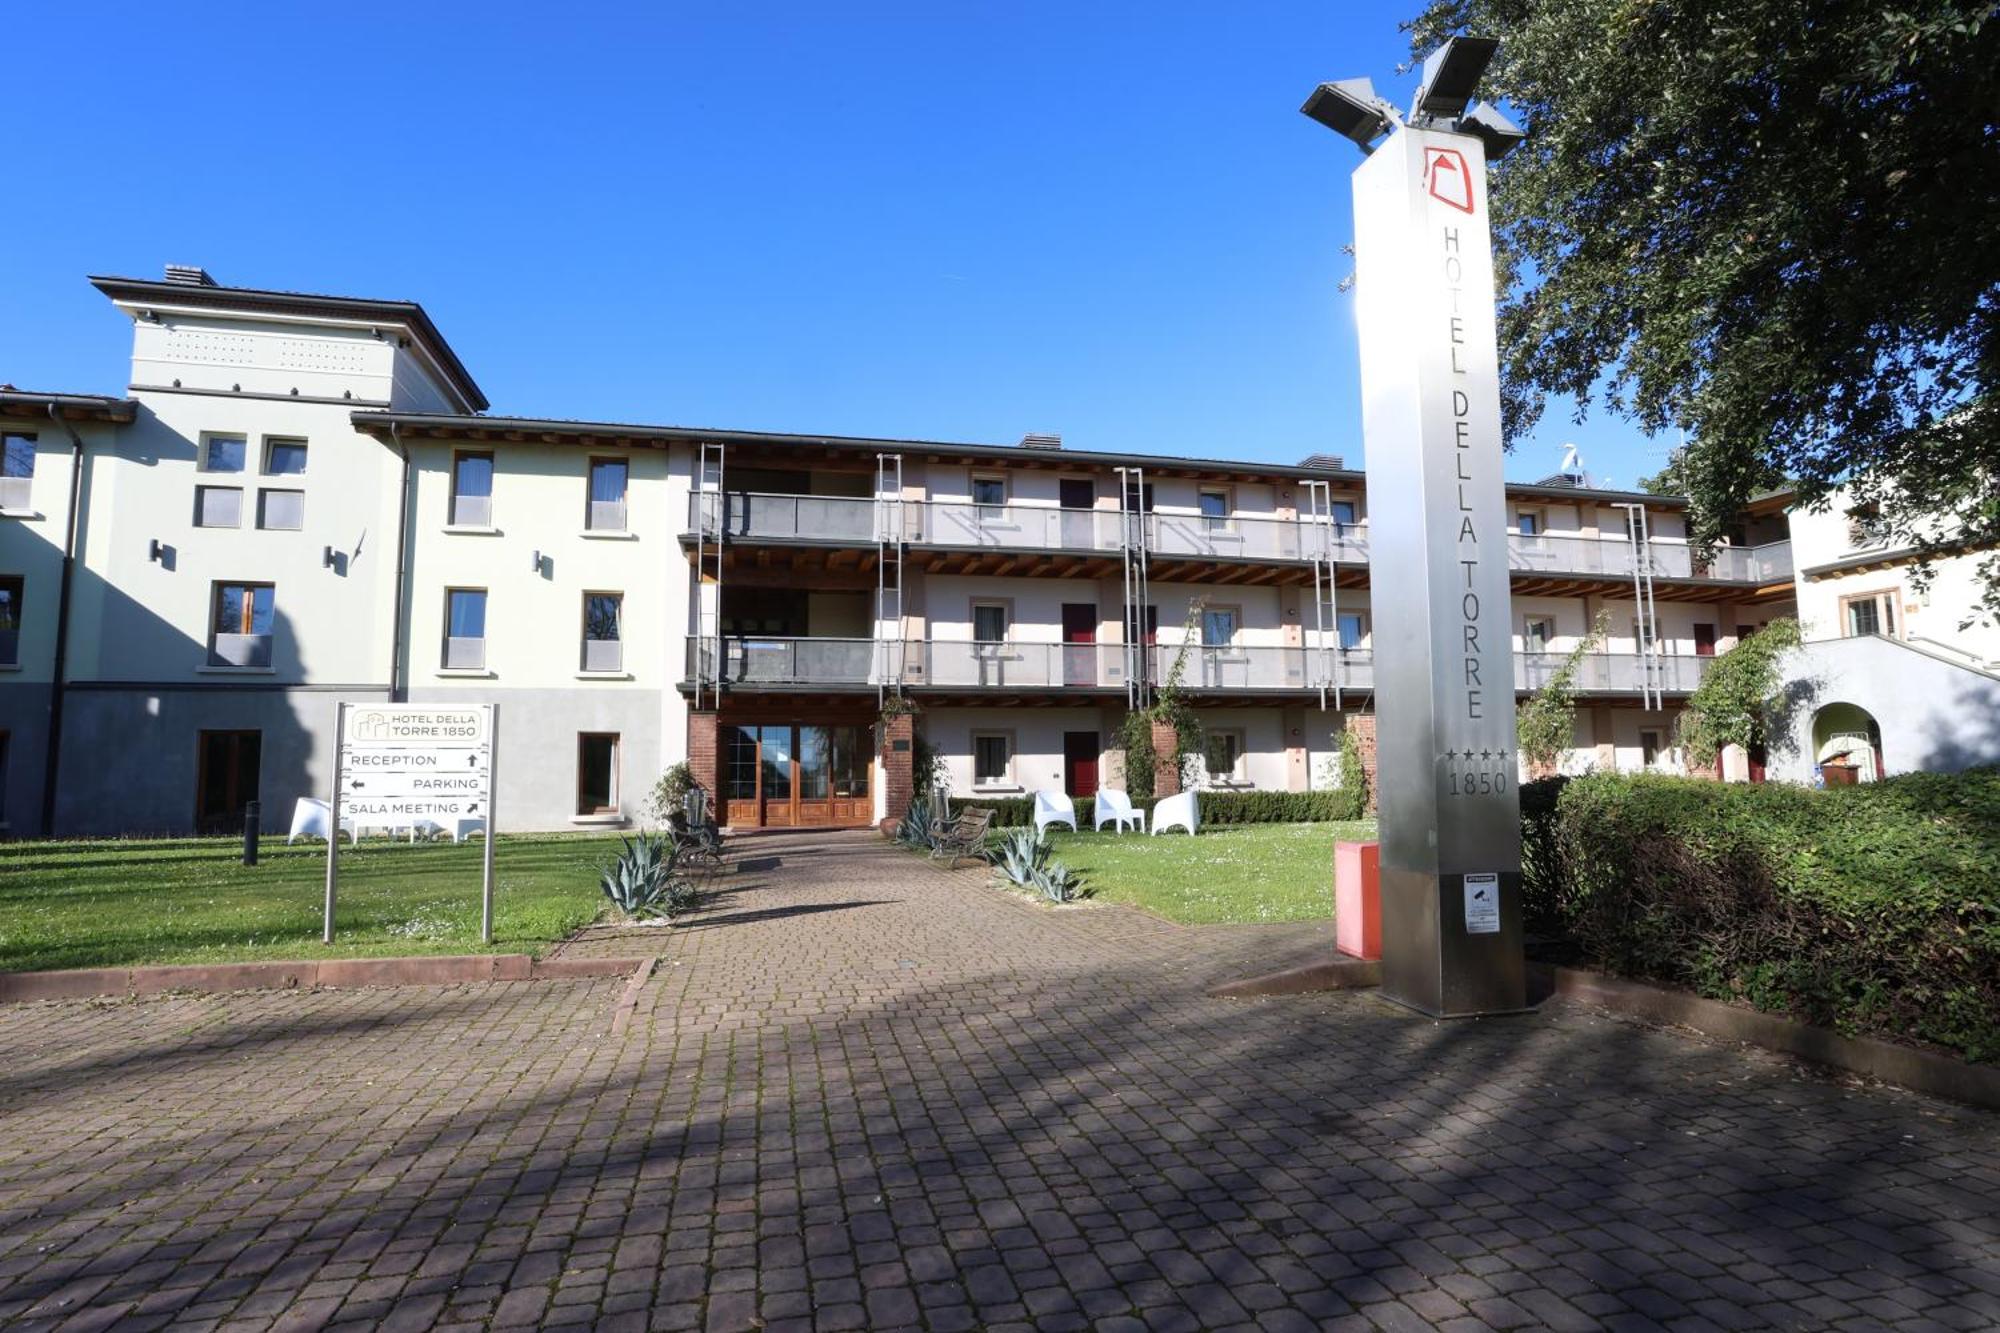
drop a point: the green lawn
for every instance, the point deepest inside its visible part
(114, 903)
(1245, 873)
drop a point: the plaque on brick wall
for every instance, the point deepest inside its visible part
(899, 746)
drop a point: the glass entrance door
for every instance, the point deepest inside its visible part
(791, 775)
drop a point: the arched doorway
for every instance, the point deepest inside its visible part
(1847, 745)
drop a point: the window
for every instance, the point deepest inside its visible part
(1344, 513)
(1528, 522)
(603, 649)
(1214, 509)
(992, 759)
(990, 494)
(218, 506)
(1537, 633)
(1872, 614)
(465, 629)
(989, 622)
(241, 627)
(597, 773)
(1649, 748)
(607, 495)
(284, 458)
(472, 490)
(12, 590)
(17, 470)
(1218, 626)
(223, 453)
(1223, 755)
(1865, 527)
(281, 511)
(1353, 628)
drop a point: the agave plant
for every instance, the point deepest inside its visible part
(919, 826)
(1023, 857)
(642, 884)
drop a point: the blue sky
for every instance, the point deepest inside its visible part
(951, 221)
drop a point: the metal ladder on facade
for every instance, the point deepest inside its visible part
(1318, 536)
(1132, 547)
(711, 514)
(1652, 670)
(889, 539)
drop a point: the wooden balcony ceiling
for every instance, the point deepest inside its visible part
(1530, 583)
(822, 567)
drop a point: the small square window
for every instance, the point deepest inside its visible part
(281, 511)
(1215, 508)
(989, 622)
(1218, 626)
(992, 759)
(1538, 632)
(1353, 628)
(284, 458)
(989, 492)
(218, 506)
(223, 453)
(1343, 513)
(1529, 522)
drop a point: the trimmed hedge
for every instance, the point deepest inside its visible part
(1873, 908)
(1218, 808)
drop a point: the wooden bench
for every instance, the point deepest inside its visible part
(964, 836)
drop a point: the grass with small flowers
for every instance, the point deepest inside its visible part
(119, 903)
(1243, 874)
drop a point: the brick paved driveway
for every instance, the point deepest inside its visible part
(860, 1093)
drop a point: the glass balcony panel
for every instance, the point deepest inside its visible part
(240, 650)
(603, 655)
(461, 654)
(799, 661)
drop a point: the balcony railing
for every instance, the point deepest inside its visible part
(603, 655)
(961, 664)
(753, 516)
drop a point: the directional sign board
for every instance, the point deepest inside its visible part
(411, 765)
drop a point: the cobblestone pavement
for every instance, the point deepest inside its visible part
(860, 1093)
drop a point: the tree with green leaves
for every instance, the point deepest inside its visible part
(1545, 723)
(1734, 702)
(1775, 225)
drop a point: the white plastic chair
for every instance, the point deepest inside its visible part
(1114, 807)
(1054, 807)
(314, 819)
(1176, 812)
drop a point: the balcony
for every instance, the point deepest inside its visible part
(847, 520)
(964, 665)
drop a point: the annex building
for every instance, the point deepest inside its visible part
(301, 499)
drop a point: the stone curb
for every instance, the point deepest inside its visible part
(1906, 1066)
(447, 970)
(1336, 974)
(628, 999)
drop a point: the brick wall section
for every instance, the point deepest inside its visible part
(1363, 727)
(1166, 773)
(702, 760)
(898, 750)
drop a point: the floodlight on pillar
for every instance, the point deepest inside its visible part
(1486, 124)
(1450, 74)
(1350, 107)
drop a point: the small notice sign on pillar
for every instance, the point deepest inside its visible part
(412, 766)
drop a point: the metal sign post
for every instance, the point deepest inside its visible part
(410, 766)
(1444, 666)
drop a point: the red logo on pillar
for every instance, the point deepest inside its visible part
(1447, 178)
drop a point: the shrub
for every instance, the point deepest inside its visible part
(670, 795)
(918, 826)
(642, 882)
(1873, 908)
(1220, 808)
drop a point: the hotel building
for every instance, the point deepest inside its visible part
(301, 500)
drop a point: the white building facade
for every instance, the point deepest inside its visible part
(300, 500)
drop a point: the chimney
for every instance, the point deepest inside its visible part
(1324, 462)
(1041, 441)
(189, 275)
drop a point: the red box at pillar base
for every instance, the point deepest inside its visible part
(1357, 898)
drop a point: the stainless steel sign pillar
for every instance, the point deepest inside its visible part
(1444, 666)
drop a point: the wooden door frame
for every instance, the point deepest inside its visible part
(201, 770)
